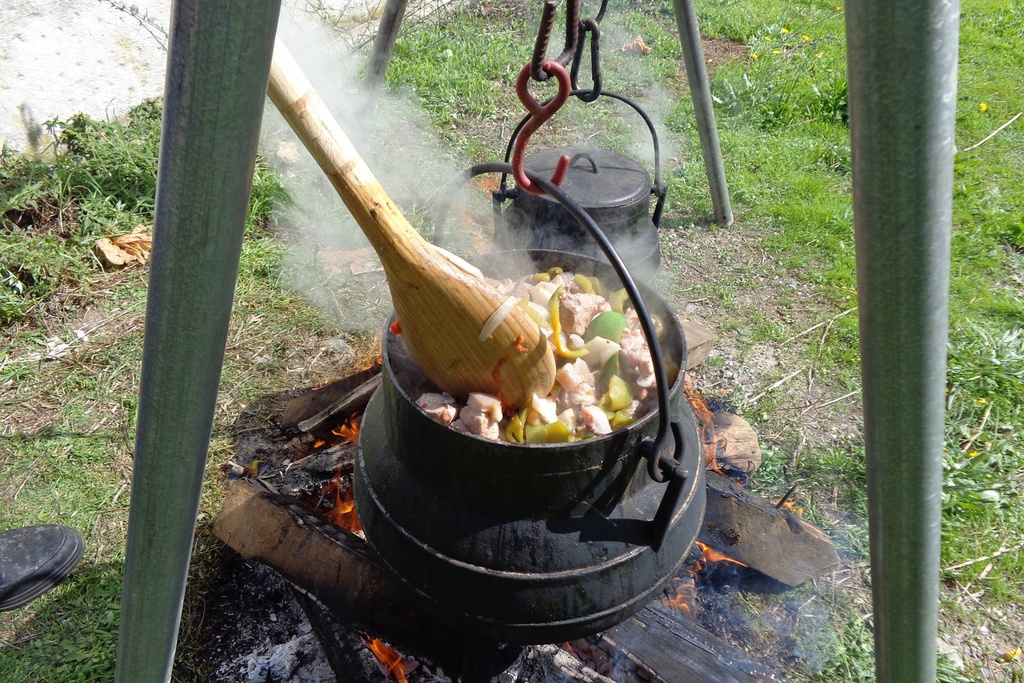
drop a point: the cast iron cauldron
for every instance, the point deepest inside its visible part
(527, 543)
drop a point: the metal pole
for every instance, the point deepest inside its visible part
(383, 45)
(218, 66)
(902, 62)
(703, 108)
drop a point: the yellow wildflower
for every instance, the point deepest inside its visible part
(983, 107)
(776, 52)
(784, 30)
(754, 56)
(768, 37)
(805, 37)
(1011, 655)
(973, 454)
(981, 401)
(818, 55)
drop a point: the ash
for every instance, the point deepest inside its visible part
(257, 632)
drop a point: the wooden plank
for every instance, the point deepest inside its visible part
(699, 342)
(742, 451)
(773, 541)
(660, 645)
(321, 424)
(311, 402)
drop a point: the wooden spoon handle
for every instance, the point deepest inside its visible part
(442, 307)
(304, 110)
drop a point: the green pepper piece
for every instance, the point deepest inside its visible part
(514, 431)
(618, 299)
(536, 433)
(618, 396)
(621, 418)
(556, 328)
(558, 432)
(610, 369)
(608, 324)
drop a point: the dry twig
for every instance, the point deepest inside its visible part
(994, 133)
(812, 328)
(828, 403)
(778, 384)
(1003, 549)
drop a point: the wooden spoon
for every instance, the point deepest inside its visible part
(441, 306)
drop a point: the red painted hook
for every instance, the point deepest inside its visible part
(540, 114)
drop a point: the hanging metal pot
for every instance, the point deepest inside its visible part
(612, 188)
(534, 543)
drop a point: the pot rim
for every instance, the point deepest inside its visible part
(640, 423)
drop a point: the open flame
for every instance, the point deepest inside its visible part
(713, 443)
(390, 660)
(709, 554)
(343, 514)
(349, 432)
(685, 598)
(792, 507)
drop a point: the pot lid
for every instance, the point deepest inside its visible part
(618, 181)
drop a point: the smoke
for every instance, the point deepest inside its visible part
(328, 260)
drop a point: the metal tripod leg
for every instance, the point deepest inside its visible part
(700, 92)
(218, 66)
(383, 45)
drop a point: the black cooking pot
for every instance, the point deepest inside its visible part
(530, 543)
(612, 188)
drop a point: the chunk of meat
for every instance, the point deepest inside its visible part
(441, 407)
(632, 319)
(486, 404)
(542, 410)
(594, 420)
(635, 359)
(570, 375)
(575, 311)
(577, 382)
(482, 415)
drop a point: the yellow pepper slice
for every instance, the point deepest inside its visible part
(584, 282)
(556, 329)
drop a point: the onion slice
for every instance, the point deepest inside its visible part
(499, 315)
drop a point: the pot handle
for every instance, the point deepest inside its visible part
(664, 453)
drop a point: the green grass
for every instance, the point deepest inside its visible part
(783, 129)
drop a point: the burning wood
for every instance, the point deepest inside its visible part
(392, 662)
(343, 513)
(706, 423)
(729, 440)
(754, 531)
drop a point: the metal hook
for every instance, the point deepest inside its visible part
(539, 114)
(547, 22)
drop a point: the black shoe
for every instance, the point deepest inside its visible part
(33, 560)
